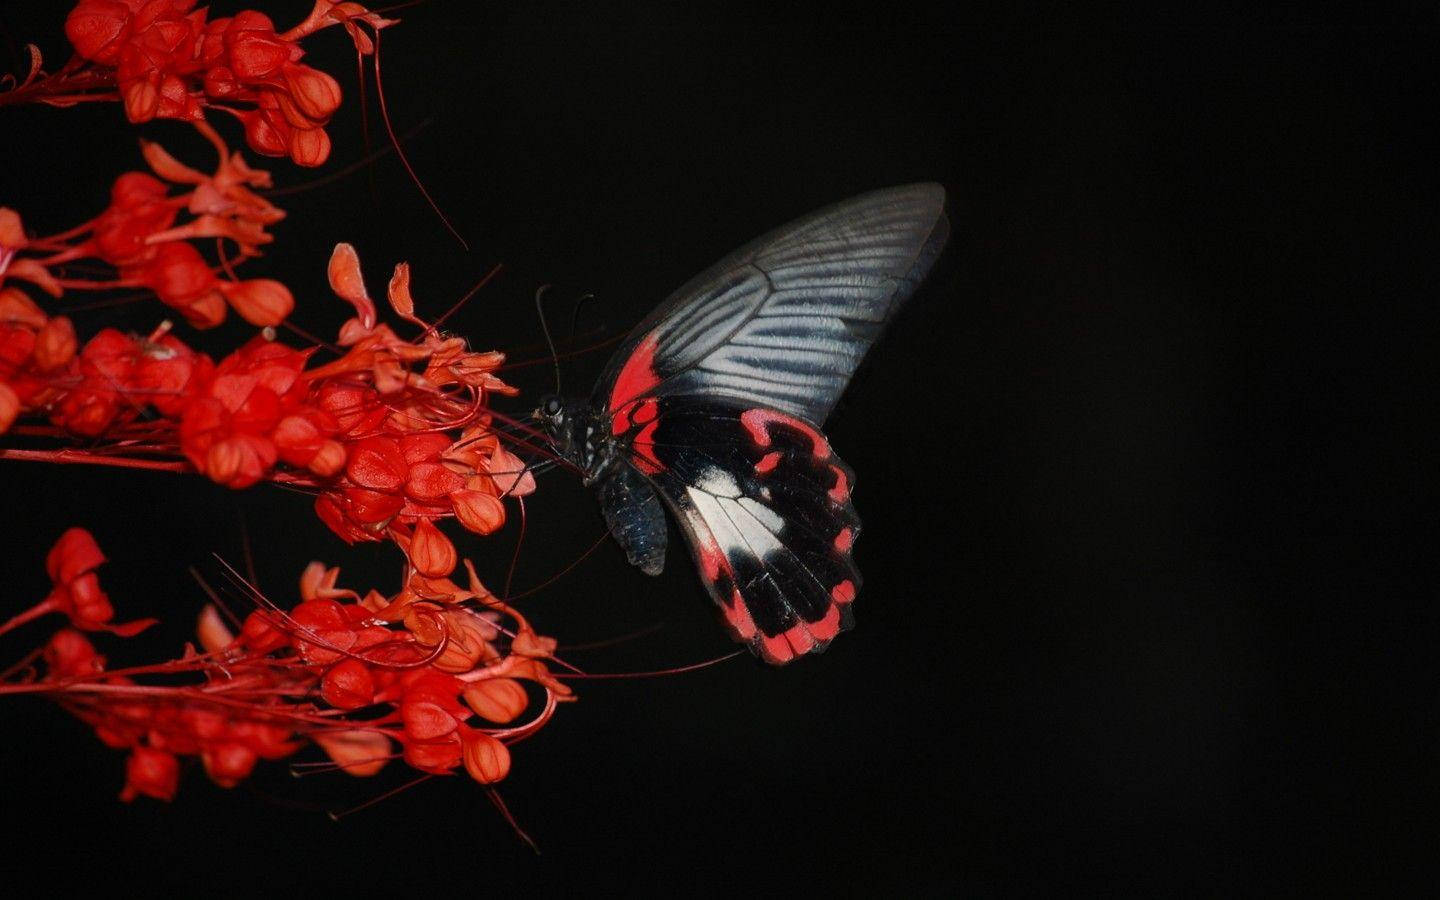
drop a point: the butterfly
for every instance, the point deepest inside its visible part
(713, 408)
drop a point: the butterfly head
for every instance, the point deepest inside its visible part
(576, 434)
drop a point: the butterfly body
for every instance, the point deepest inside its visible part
(713, 409)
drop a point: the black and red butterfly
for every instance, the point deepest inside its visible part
(714, 405)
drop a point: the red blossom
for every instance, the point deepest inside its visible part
(353, 675)
(76, 590)
(152, 773)
(165, 59)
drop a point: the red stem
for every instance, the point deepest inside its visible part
(82, 458)
(43, 607)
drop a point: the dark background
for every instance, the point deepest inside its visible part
(1139, 610)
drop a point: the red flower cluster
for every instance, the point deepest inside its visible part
(392, 436)
(436, 669)
(138, 236)
(168, 61)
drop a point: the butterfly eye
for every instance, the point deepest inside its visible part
(551, 406)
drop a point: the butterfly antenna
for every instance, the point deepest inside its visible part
(575, 314)
(544, 326)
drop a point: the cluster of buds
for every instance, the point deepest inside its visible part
(439, 670)
(165, 59)
(138, 235)
(35, 352)
(392, 436)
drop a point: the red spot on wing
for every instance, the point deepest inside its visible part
(758, 421)
(637, 376)
(828, 626)
(768, 462)
(712, 559)
(776, 649)
(844, 540)
(800, 639)
(738, 615)
(642, 450)
(645, 411)
(844, 592)
(636, 412)
(841, 491)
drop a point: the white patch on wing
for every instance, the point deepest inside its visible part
(717, 481)
(736, 530)
(766, 516)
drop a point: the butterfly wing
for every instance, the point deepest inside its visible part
(784, 321)
(719, 394)
(765, 505)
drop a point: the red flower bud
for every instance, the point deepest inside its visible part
(328, 460)
(220, 82)
(465, 644)
(87, 605)
(315, 93)
(266, 133)
(486, 759)
(500, 700)
(16, 308)
(141, 99)
(320, 614)
(512, 477)
(309, 146)
(240, 461)
(262, 302)
(260, 634)
(429, 482)
(426, 447)
(359, 753)
(431, 552)
(348, 685)
(205, 311)
(376, 463)
(367, 507)
(69, 653)
(134, 189)
(154, 773)
(228, 764)
(480, 512)
(436, 757)
(256, 51)
(54, 344)
(425, 721)
(178, 274)
(98, 29)
(12, 233)
(73, 555)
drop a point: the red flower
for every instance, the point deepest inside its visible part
(95, 404)
(69, 654)
(348, 685)
(486, 759)
(154, 773)
(76, 590)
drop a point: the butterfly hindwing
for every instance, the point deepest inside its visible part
(766, 507)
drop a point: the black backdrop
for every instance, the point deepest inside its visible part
(1129, 538)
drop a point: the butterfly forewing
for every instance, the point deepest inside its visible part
(784, 321)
